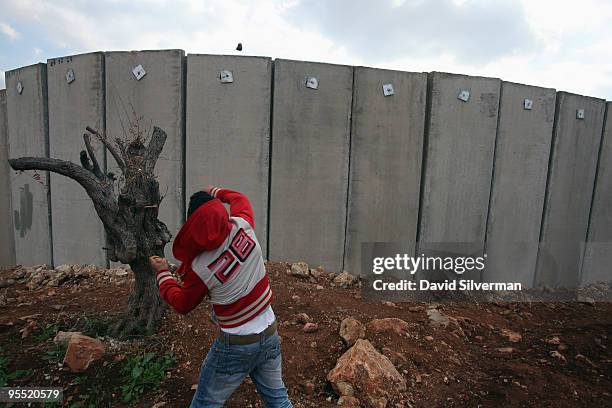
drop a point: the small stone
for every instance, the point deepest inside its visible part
(319, 287)
(310, 328)
(6, 283)
(347, 401)
(29, 328)
(558, 355)
(309, 388)
(390, 324)
(506, 350)
(300, 270)
(429, 338)
(513, 336)
(345, 280)
(65, 269)
(302, 318)
(64, 337)
(351, 330)
(317, 273)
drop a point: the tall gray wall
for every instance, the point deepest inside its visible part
(78, 234)
(519, 183)
(310, 154)
(598, 257)
(28, 136)
(7, 242)
(386, 151)
(569, 192)
(228, 129)
(458, 162)
(158, 99)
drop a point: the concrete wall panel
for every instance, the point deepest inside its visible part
(7, 241)
(519, 183)
(458, 162)
(228, 129)
(573, 163)
(28, 136)
(78, 234)
(310, 154)
(385, 164)
(598, 257)
(158, 99)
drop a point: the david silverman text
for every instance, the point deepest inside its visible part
(463, 284)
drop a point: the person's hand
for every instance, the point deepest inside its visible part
(158, 263)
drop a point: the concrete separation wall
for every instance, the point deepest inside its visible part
(7, 242)
(598, 257)
(310, 154)
(569, 192)
(228, 129)
(78, 234)
(28, 136)
(158, 98)
(524, 133)
(458, 162)
(386, 152)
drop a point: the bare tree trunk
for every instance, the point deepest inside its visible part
(145, 308)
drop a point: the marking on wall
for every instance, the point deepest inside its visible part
(464, 95)
(139, 72)
(70, 76)
(312, 83)
(388, 90)
(23, 217)
(226, 76)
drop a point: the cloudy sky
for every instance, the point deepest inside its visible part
(560, 44)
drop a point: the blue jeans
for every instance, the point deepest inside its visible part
(226, 366)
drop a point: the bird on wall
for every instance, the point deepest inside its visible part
(239, 47)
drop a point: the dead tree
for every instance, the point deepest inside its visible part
(129, 215)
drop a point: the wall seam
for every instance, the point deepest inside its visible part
(45, 110)
(553, 143)
(595, 183)
(270, 152)
(424, 157)
(348, 171)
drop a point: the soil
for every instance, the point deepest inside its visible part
(564, 358)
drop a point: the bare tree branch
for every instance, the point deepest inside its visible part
(86, 179)
(94, 161)
(85, 163)
(156, 145)
(111, 148)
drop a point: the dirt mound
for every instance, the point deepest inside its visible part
(448, 354)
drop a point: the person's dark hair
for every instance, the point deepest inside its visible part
(197, 199)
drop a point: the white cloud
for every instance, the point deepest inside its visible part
(9, 31)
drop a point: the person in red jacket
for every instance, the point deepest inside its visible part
(222, 259)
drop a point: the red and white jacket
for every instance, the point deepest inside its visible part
(222, 258)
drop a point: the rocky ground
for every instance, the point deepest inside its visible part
(337, 348)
